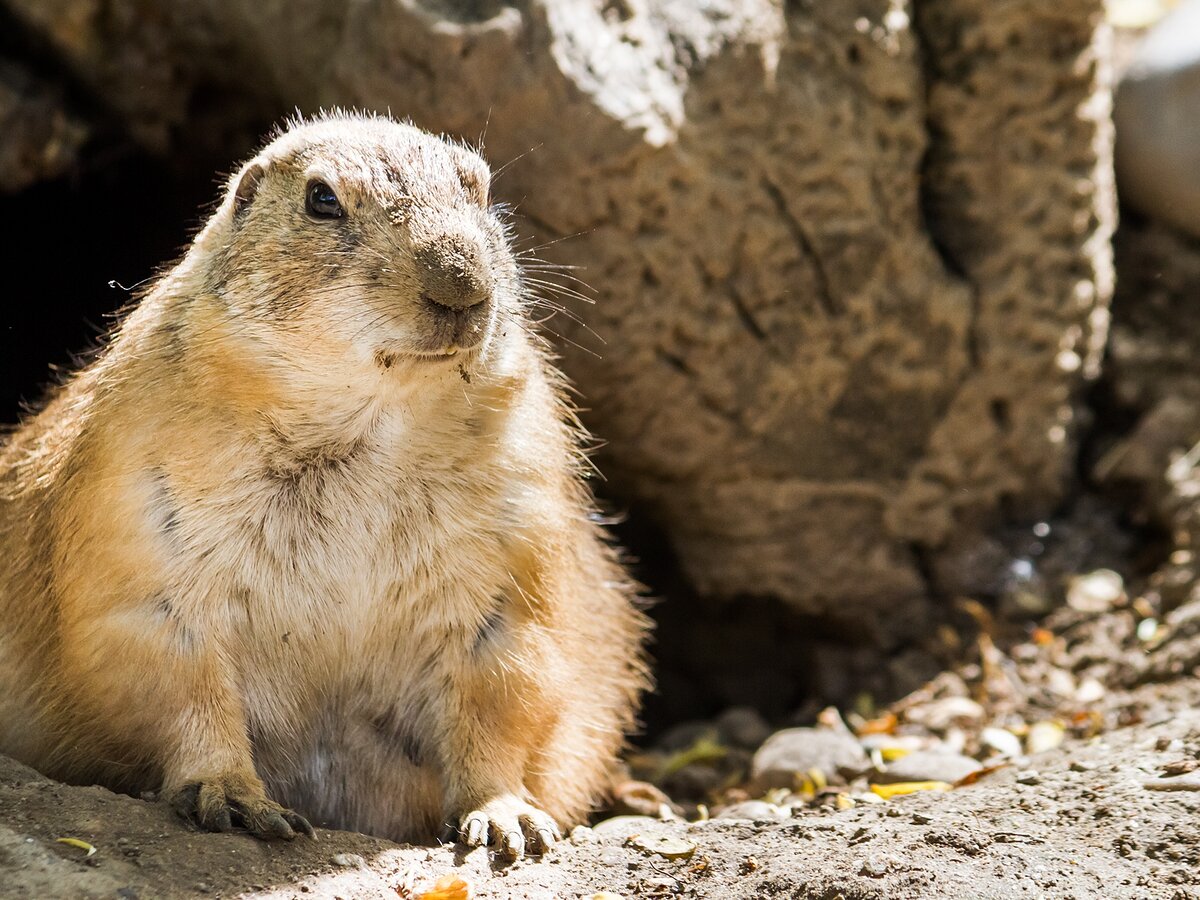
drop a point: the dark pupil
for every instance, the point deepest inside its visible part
(323, 202)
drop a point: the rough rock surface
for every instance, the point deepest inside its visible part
(790, 755)
(1080, 823)
(805, 390)
(1157, 115)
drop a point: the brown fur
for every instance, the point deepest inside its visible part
(302, 534)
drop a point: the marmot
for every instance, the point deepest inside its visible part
(310, 539)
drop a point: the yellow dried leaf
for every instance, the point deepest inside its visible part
(885, 724)
(972, 777)
(663, 845)
(76, 842)
(887, 791)
(448, 887)
(891, 754)
(704, 750)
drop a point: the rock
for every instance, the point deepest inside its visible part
(755, 810)
(1188, 782)
(879, 864)
(640, 798)
(788, 755)
(1157, 117)
(940, 714)
(1044, 736)
(927, 765)
(582, 834)
(1003, 741)
(624, 826)
(741, 726)
(1095, 592)
(695, 781)
(347, 860)
(872, 318)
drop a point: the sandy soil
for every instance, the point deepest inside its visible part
(1076, 822)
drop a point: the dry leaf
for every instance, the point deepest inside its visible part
(704, 750)
(663, 845)
(973, 777)
(448, 887)
(887, 791)
(76, 842)
(885, 724)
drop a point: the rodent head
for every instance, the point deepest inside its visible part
(363, 235)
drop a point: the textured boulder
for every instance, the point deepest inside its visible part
(850, 270)
(1157, 117)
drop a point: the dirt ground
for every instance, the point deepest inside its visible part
(1088, 819)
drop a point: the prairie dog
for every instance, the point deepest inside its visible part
(309, 539)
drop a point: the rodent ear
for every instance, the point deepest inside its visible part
(476, 178)
(247, 187)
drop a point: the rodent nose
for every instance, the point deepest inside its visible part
(452, 274)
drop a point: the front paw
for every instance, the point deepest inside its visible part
(233, 801)
(508, 824)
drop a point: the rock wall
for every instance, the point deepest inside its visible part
(850, 272)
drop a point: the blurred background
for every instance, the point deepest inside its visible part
(874, 373)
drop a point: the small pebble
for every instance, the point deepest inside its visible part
(1089, 691)
(623, 826)
(1044, 736)
(868, 798)
(938, 715)
(755, 810)
(348, 860)
(788, 755)
(1029, 778)
(1188, 782)
(927, 765)
(743, 727)
(1003, 741)
(878, 865)
(581, 834)
(1095, 592)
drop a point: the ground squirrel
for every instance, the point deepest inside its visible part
(311, 530)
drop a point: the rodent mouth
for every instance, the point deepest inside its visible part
(448, 353)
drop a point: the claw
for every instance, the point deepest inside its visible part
(300, 824)
(278, 826)
(510, 825)
(238, 800)
(475, 832)
(514, 844)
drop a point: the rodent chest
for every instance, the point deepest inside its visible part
(335, 548)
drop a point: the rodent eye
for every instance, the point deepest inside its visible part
(322, 202)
